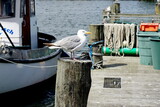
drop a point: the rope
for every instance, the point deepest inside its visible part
(91, 54)
(108, 30)
(21, 65)
(128, 33)
(133, 33)
(119, 35)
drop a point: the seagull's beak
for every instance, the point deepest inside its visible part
(88, 33)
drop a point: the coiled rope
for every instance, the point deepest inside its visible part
(91, 54)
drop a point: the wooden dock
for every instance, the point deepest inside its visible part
(124, 82)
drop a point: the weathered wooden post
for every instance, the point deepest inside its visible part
(73, 83)
(109, 14)
(157, 9)
(115, 9)
(96, 36)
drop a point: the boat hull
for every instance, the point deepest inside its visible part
(19, 75)
(21, 66)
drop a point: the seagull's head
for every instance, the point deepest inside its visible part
(83, 32)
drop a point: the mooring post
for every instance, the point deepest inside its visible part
(157, 9)
(109, 14)
(73, 83)
(95, 38)
(115, 9)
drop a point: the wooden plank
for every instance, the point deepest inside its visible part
(134, 15)
(140, 84)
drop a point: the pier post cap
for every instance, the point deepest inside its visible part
(67, 59)
(96, 25)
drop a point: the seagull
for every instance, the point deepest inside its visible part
(71, 43)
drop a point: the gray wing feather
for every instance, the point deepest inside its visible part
(68, 43)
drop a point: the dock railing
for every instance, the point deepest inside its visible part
(112, 14)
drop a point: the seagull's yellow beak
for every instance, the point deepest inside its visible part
(88, 33)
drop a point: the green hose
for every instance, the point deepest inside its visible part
(125, 51)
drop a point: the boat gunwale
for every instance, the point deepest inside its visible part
(47, 38)
(44, 58)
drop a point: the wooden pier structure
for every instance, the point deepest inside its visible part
(130, 84)
(123, 81)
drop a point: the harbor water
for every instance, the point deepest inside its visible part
(61, 19)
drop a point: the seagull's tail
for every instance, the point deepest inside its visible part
(54, 47)
(49, 44)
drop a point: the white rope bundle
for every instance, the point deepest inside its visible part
(108, 31)
(119, 35)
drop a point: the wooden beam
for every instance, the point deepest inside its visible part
(134, 15)
(157, 9)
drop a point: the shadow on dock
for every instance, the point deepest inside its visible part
(114, 65)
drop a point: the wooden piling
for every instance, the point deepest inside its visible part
(96, 36)
(157, 9)
(115, 9)
(73, 83)
(109, 16)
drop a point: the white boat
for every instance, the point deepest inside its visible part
(24, 60)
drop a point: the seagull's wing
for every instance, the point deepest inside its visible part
(68, 43)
